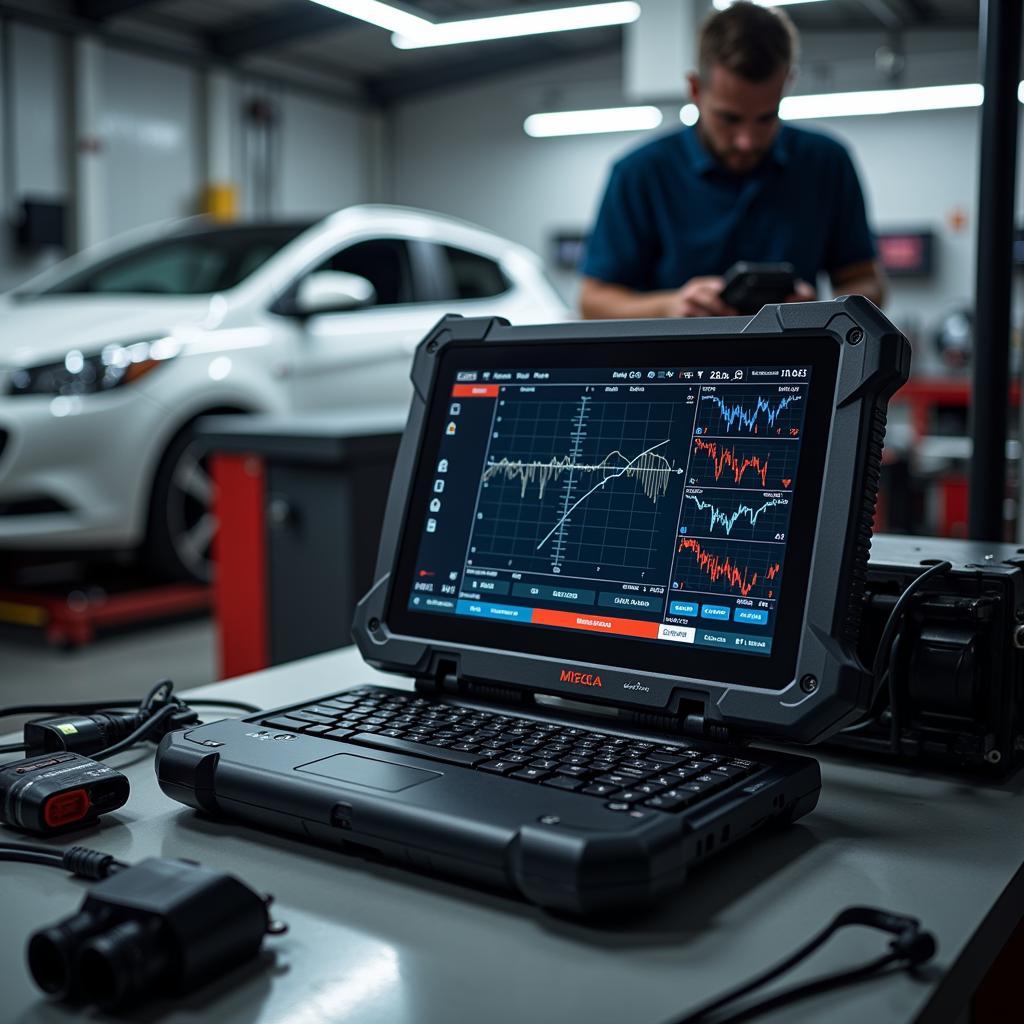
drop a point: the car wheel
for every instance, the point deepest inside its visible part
(181, 519)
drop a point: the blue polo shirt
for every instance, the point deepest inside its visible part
(672, 212)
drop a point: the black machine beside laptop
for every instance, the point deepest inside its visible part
(613, 554)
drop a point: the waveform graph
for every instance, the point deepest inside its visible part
(736, 515)
(728, 568)
(751, 410)
(581, 484)
(755, 464)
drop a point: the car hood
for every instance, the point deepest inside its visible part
(37, 330)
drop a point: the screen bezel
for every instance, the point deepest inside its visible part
(819, 350)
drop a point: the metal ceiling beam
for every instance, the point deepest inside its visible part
(240, 38)
(101, 10)
(527, 54)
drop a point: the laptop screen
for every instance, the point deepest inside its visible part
(649, 502)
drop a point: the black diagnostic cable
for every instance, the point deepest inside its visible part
(881, 667)
(911, 947)
(60, 782)
(78, 860)
(85, 707)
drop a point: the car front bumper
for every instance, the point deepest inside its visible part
(92, 457)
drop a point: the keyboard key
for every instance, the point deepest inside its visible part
(338, 734)
(463, 757)
(284, 722)
(544, 763)
(665, 781)
(308, 716)
(711, 779)
(463, 746)
(316, 730)
(499, 767)
(649, 788)
(698, 788)
(670, 800)
(324, 709)
(575, 770)
(730, 771)
(671, 760)
(563, 782)
(632, 796)
(531, 774)
(618, 805)
(620, 778)
(599, 789)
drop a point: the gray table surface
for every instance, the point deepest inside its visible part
(369, 942)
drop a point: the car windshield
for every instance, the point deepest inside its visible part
(196, 263)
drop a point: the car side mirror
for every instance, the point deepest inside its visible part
(332, 291)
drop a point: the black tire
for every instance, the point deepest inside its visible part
(181, 522)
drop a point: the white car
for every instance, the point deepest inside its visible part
(107, 359)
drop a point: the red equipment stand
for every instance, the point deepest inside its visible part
(926, 399)
(239, 552)
(71, 618)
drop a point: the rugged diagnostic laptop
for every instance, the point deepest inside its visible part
(613, 553)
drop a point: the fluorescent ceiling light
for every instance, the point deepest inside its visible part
(881, 101)
(592, 122)
(527, 23)
(721, 5)
(689, 114)
(376, 13)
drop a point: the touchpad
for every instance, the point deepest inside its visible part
(368, 771)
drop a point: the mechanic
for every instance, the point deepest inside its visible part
(679, 211)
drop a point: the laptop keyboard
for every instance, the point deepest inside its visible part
(623, 771)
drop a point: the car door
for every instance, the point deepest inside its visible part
(360, 358)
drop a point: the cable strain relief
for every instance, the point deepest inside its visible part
(86, 863)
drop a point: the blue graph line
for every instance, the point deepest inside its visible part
(732, 413)
(729, 521)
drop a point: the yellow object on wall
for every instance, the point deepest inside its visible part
(221, 201)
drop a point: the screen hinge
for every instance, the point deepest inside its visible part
(447, 681)
(695, 725)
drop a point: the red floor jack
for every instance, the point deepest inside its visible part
(71, 603)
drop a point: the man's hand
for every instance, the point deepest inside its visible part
(700, 296)
(802, 292)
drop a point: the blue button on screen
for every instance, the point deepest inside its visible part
(487, 610)
(715, 611)
(753, 615)
(682, 608)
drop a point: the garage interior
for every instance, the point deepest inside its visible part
(127, 122)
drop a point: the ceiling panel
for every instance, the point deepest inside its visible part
(310, 37)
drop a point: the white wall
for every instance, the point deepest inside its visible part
(149, 126)
(323, 153)
(159, 131)
(38, 166)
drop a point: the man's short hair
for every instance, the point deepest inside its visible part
(751, 41)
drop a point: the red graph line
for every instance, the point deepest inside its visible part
(716, 568)
(727, 457)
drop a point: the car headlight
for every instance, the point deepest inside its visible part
(80, 374)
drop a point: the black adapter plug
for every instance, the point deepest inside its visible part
(160, 928)
(57, 792)
(91, 734)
